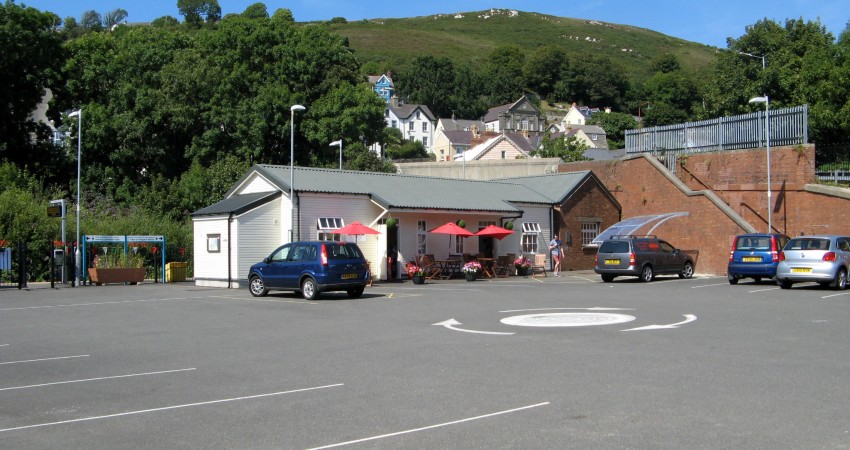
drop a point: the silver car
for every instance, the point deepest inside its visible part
(824, 259)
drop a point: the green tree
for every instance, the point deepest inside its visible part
(615, 125)
(196, 12)
(32, 56)
(407, 150)
(91, 21)
(543, 68)
(114, 17)
(665, 63)
(504, 73)
(256, 11)
(569, 149)
(429, 81)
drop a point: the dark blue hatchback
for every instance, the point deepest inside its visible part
(754, 256)
(311, 268)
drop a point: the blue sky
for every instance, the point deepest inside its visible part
(706, 22)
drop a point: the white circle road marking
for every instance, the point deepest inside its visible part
(567, 319)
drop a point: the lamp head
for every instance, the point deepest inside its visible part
(297, 108)
(759, 99)
(339, 142)
(75, 113)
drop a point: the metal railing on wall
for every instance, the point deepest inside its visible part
(788, 126)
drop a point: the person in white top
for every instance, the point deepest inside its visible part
(555, 246)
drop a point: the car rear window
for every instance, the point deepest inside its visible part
(808, 244)
(753, 243)
(344, 251)
(614, 247)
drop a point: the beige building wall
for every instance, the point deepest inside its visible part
(482, 170)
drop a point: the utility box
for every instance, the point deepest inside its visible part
(175, 271)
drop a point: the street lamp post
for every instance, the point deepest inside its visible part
(339, 142)
(77, 255)
(292, 110)
(766, 102)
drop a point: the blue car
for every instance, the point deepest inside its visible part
(311, 268)
(754, 256)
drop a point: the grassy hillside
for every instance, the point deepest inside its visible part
(469, 37)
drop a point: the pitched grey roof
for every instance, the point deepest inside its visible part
(557, 186)
(493, 113)
(406, 110)
(460, 124)
(237, 204)
(459, 137)
(394, 191)
(603, 154)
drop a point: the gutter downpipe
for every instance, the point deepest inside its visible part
(229, 256)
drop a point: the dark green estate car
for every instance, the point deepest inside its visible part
(641, 256)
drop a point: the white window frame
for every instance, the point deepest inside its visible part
(589, 232)
(421, 237)
(214, 243)
(325, 227)
(424, 127)
(530, 237)
(411, 126)
(458, 247)
(425, 141)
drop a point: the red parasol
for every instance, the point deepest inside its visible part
(494, 231)
(356, 229)
(452, 228)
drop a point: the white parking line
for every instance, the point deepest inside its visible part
(95, 379)
(99, 303)
(455, 422)
(835, 295)
(707, 285)
(4, 345)
(165, 408)
(43, 359)
(765, 289)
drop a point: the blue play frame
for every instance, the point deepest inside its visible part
(126, 240)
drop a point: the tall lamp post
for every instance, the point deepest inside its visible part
(339, 142)
(77, 257)
(766, 102)
(292, 110)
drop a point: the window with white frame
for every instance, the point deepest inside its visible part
(395, 124)
(458, 245)
(425, 141)
(213, 243)
(411, 125)
(421, 238)
(589, 231)
(530, 236)
(425, 127)
(326, 226)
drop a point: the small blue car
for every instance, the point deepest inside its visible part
(311, 267)
(754, 256)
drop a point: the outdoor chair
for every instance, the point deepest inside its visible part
(429, 267)
(502, 267)
(538, 265)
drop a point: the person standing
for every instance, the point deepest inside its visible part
(556, 247)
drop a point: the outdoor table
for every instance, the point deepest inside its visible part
(448, 267)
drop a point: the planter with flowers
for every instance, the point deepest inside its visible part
(415, 273)
(523, 266)
(471, 270)
(121, 268)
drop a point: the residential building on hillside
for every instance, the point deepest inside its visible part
(519, 116)
(591, 135)
(578, 115)
(501, 146)
(416, 122)
(383, 85)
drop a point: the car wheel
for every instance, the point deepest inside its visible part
(840, 281)
(687, 270)
(257, 287)
(607, 278)
(732, 278)
(785, 284)
(309, 289)
(356, 292)
(646, 273)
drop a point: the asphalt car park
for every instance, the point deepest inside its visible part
(567, 362)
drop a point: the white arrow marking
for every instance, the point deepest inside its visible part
(450, 324)
(595, 308)
(688, 318)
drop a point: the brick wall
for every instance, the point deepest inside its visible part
(739, 179)
(590, 204)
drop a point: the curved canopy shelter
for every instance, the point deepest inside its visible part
(633, 224)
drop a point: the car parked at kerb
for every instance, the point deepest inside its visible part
(311, 267)
(755, 256)
(821, 258)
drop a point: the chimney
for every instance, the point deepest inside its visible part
(394, 101)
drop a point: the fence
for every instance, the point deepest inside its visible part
(788, 126)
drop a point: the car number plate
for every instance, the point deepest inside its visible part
(751, 259)
(348, 276)
(610, 262)
(801, 270)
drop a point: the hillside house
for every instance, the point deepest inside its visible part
(518, 117)
(416, 122)
(383, 86)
